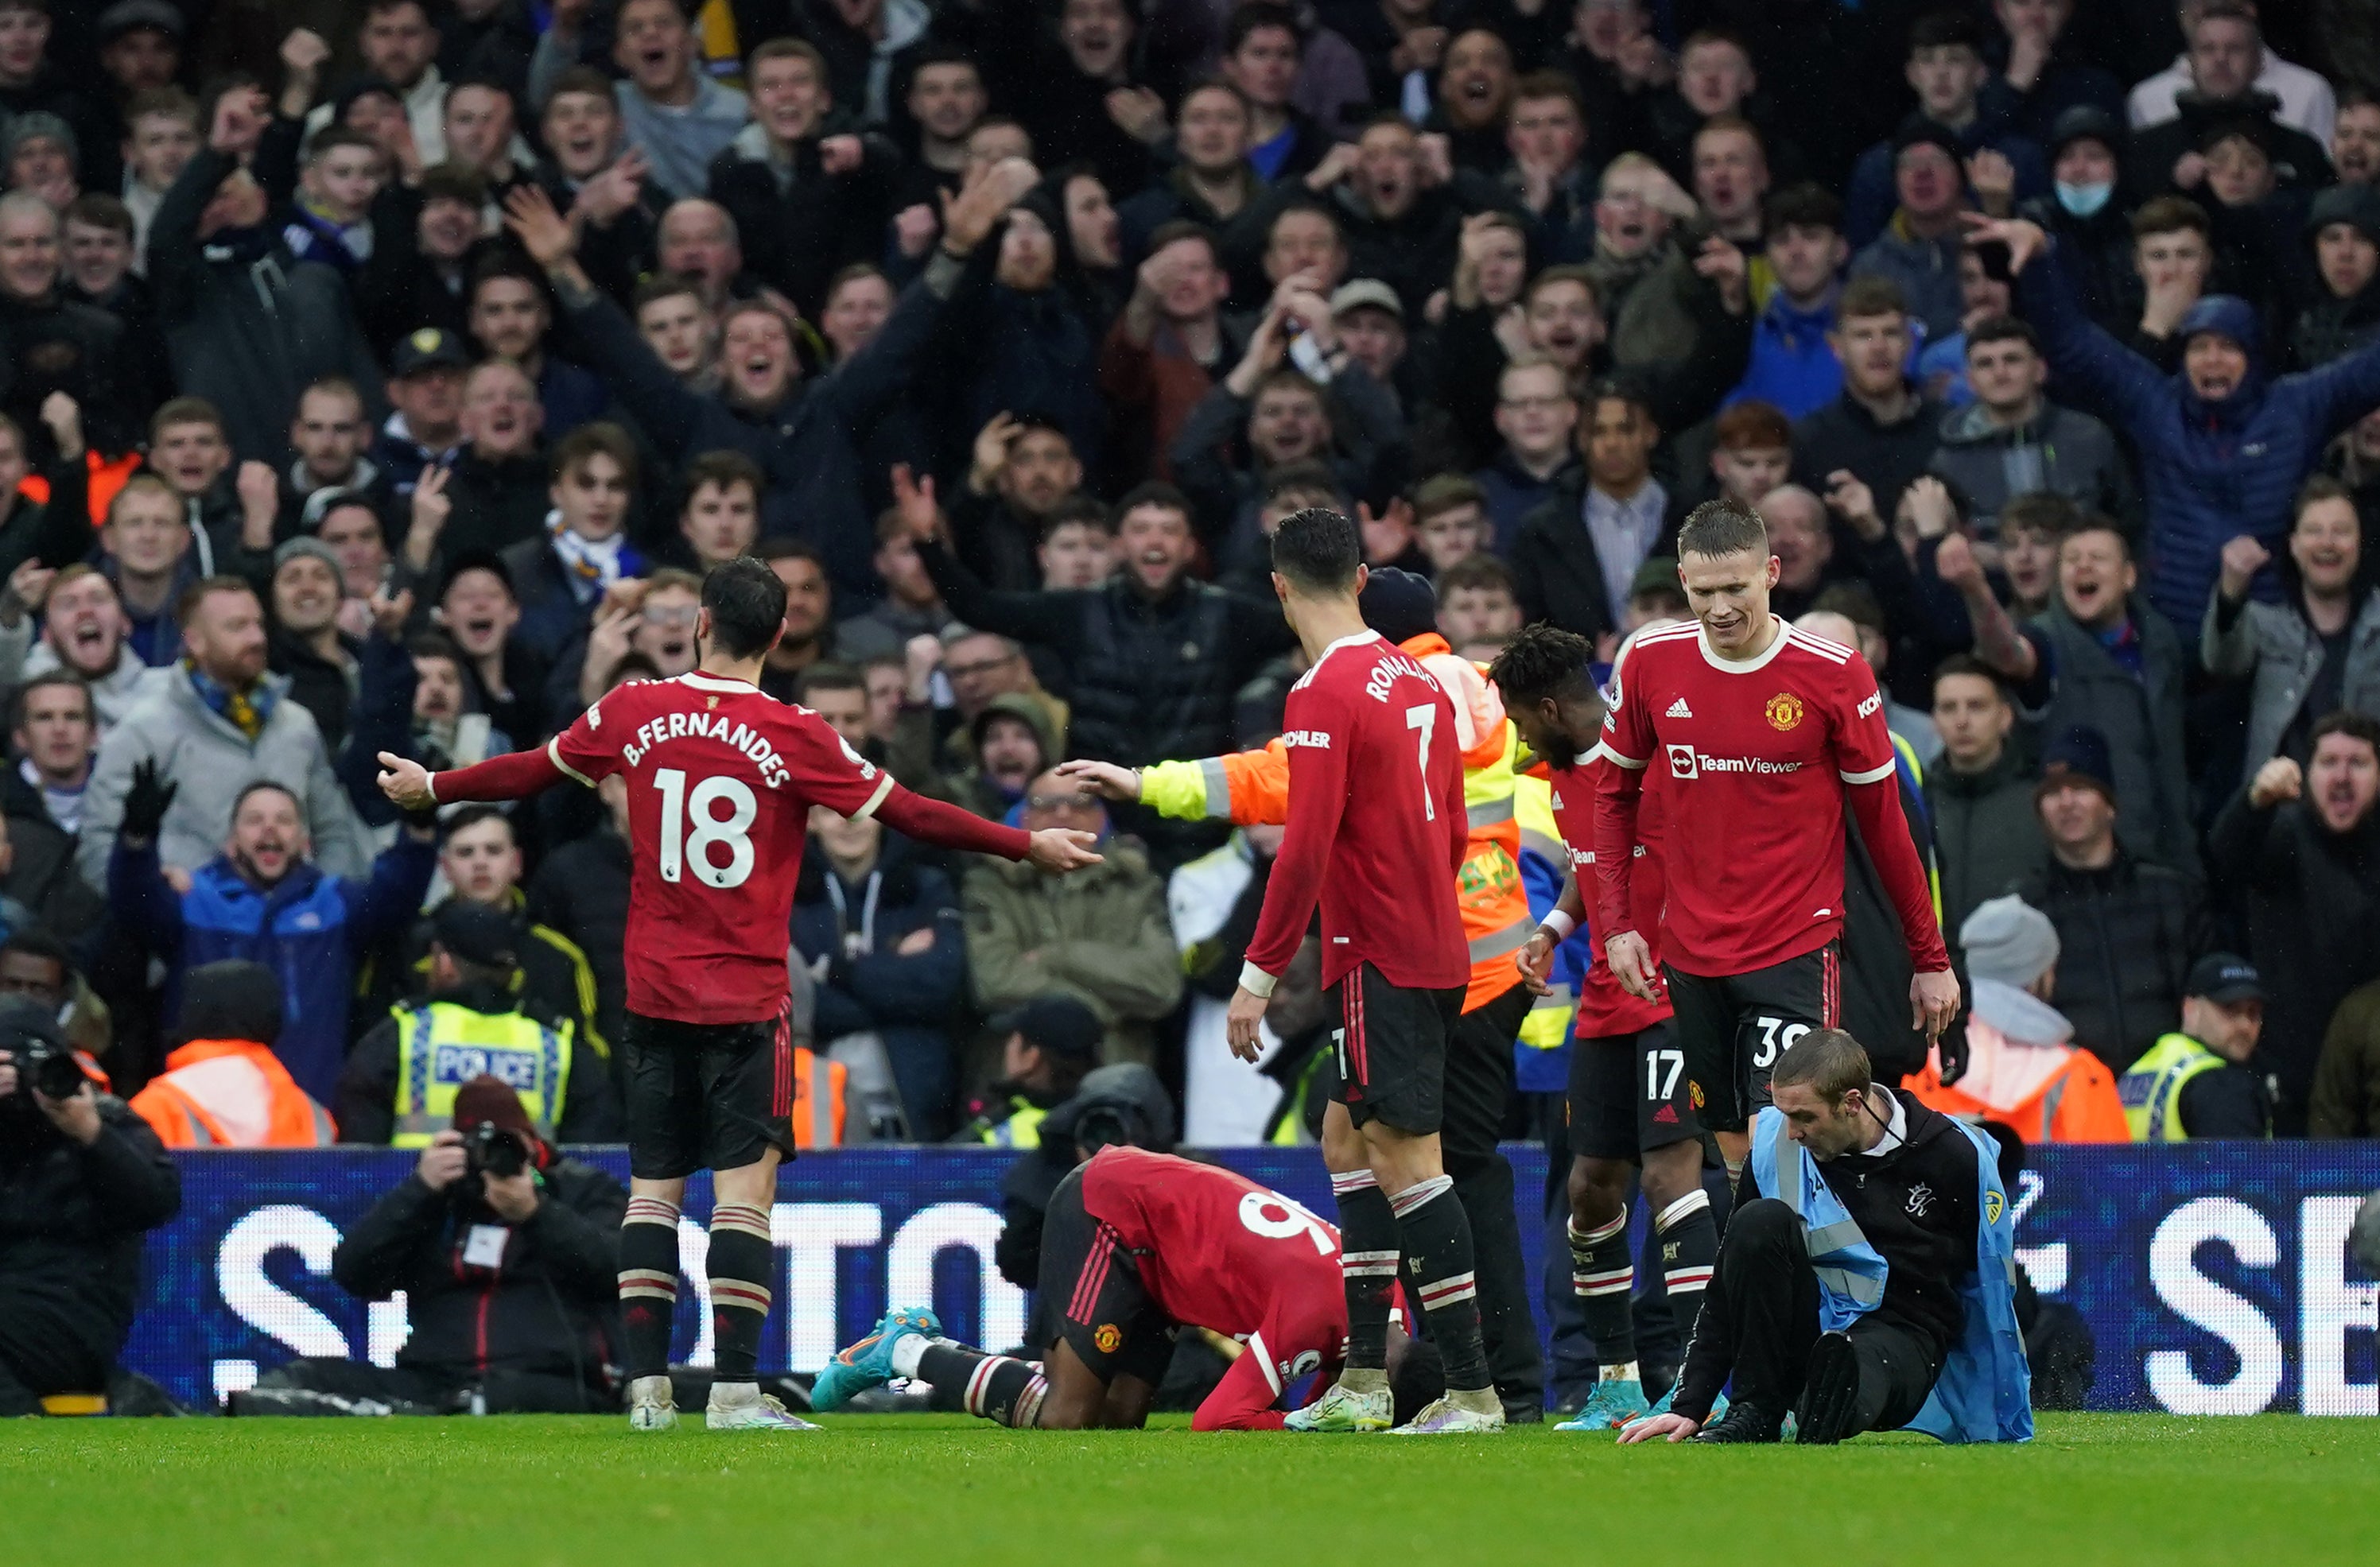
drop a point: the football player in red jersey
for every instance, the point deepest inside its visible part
(1139, 1246)
(1375, 822)
(720, 781)
(1629, 1100)
(1762, 732)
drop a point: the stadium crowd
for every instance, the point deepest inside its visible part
(383, 377)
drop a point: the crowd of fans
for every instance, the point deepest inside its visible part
(384, 376)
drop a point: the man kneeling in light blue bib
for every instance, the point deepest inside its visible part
(1866, 1280)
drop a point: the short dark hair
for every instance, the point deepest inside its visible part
(1829, 1061)
(1543, 662)
(1969, 664)
(747, 604)
(332, 137)
(1855, 601)
(2170, 214)
(1806, 205)
(1308, 476)
(504, 265)
(664, 286)
(1722, 527)
(2348, 722)
(2041, 511)
(96, 209)
(1477, 570)
(829, 677)
(257, 786)
(34, 942)
(2003, 329)
(2313, 492)
(1318, 549)
(1180, 229)
(1256, 17)
(1077, 510)
(601, 438)
(468, 817)
(583, 79)
(1154, 493)
(435, 645)
(1944, 29)
(1445, 493)
(16, 703)
(724, 470)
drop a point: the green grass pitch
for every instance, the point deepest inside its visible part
(893, 1490)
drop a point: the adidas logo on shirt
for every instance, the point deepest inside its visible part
(1679, 710)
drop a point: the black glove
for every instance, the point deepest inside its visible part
(146, 803)
(1952, 1049)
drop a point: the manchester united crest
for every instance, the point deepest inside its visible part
(1108, 1337)
(1784, 711)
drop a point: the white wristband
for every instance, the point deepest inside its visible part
(1557, 925)
(1255, 981)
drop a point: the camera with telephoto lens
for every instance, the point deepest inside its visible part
(489, 1150)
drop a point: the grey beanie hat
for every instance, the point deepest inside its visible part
(307, 544)
(2008, 939)
(38, 124)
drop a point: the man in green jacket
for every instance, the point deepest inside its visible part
(1101, 936)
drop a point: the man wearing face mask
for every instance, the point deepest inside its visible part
(2088, 215)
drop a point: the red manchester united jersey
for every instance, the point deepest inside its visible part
(1604, 1009)
(1753, 757)
(1220, 1252)
(1376, 821)
(720, 781)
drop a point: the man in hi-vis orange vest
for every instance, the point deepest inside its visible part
(223, 1086)
(1251, 787)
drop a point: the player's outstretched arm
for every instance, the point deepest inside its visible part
(514, 776)
(1056, 850)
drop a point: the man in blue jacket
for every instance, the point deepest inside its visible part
(264, 899)
(1867, 1279)
(2223, 448)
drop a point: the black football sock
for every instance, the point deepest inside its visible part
(647, 1286)
(1438, 1245)
(1367, 1267)
(1602, 1276)
(740, 1257)
(1688, 1236)
(996, 1387)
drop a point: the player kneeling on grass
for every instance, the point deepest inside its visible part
(1867, 1281)
(1138, 1245)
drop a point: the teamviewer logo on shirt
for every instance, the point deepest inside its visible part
(1681, 761)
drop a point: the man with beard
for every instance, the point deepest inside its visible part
(1139, 695)
(804, 432)
(2299, 842)
(809, 613)
(220, 722)
(1024, 466)
(83, 632)
(263, 898)
(329, 433)
(338, 675)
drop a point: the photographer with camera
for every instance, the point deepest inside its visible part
(81, 1180)
(508, 1253)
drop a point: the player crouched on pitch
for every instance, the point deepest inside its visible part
(1138, 1245)
(1866, 1280)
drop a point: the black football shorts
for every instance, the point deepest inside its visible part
(706, 1096)
(1628, 1094)
(1734, 1028)
(1104, 1311)
(1391, 1046)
